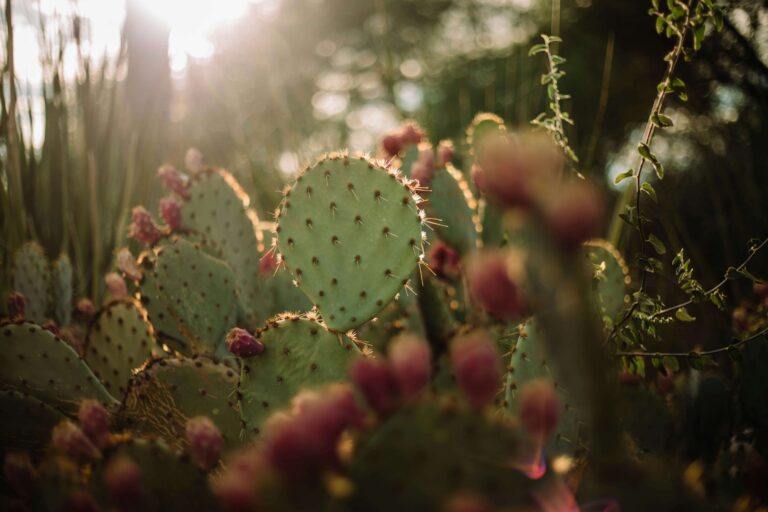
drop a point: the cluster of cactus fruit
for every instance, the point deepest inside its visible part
(401, 337)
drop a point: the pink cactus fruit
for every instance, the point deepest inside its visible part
(423, 168)
(52, 327)
(174, 180)
(444, 260)
(574, 214)
(477, 367)
(19, 473)
(116, 286)
(236, 492)
(84, 308)
(410, 359)
(392, 144)
(205, 442)
(124, 481)
(94, 421)
(539, 408)
(411, 133)
(70, 439)
(268, 264)
(126, 264)
(170, 211)
(445, 153)
(492, 286)
(16, 304)
(243, 344)
(143, 227)
(376, 381)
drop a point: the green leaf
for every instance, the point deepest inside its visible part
(645, 151)
(648, 189)
(677, 83)
(537, 48)
(657, 244)
(662, 121)
(683, 315)
(671, 363)
(683, 96)
(624, 175)
(659, 168)
(660, 23)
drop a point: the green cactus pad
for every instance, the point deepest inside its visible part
(218, 209)
(31, 277)
(283, 294)
(27, 422)
(611, 277)
(452, 203)
(299, 353)
(349, 230)
(445, 450)
(169, 479)
(483, 125)
(400, 315)
(165, 327)
(527, 363)
(40, 364)
(169, 391)
(61, 290)
(119, 340)
(410, 156)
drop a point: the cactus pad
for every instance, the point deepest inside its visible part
(169, 391)
(119, 340)
(299, 353)
(27, 422)
(349, 230)
(218, 209)
(38, 363)
(31, 277)
(483, 125)
(61, 290)
(451, 201)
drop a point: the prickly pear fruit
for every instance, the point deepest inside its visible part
(573, 214)
(84, 308)
(376, 381)
(410, 360)
(126, 264)
(174, 180)
(70, 439)
(116, 286)
(16, 305)
(477, 367)
(493, 287)
(94, 421)
(123, 479)
(19, 473)
(539, 408)
(143, 227)
(243, 344)
(170, 211)
(205, 442)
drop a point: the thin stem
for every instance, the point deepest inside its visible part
(712, 352)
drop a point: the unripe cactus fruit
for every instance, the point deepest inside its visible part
(170, 211)
(376, 381)
(205, 442)
(116, 286)
(539, 408)
(445, 153)
(444, 260)
(143, 227)
(477, 367)
(573, 214)
(126, 264)
(84, 308)
(70, 439)
(328, 412)
(174, 180)
(411, 361)
(16, 305)
(124, 482)
(94, 421)
(243, 344)
(19, 473)
(492, 286)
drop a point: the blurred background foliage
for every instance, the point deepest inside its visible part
(288, 79)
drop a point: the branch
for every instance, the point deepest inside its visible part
(721, 350)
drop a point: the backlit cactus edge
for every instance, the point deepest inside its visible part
(446, 348)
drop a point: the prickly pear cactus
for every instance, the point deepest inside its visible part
(283, 294)
(299, 353)
(36, 362)
(169, 480)
(27, 422)
(217, 208)
(529, 362)
(119, 340)
(197, 293)
(31, 277)
(610, 277)
(491, 216)
(61, 290)
(349, 230)
(169, 391)
(451, 201)
(483, 125)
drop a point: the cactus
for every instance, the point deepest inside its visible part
(611, 278)
(169, 391)
(31, 277)
(27, 422)
(61, 290)
(528, 363)
(279, 287)
(349, 229)
(196, 292)
(119, 340)
(217, 208)
(451, 201)
(35, 361)
(299, 353)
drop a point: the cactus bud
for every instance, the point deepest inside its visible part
(143, 227)
(52, 327)
(170, 211)
(243, 344)
(477, 367)
(126, 264)
(16, 305)
(293, 449)
(410, 360)
(80, 501)
(236, 492)
(328, 413)
(574, 214)
(375, 380)
(84, 309)
(423, 169)
(174, 180)
(116, 286)
(392, 144)
(193, 160)
(19, 473)
(94, 420)
(205, 442)
(539, 408)
(123, 480)
(411, 133)
(445, 153)
(68, 438)
(493, 288)
(444, 260)
(268, 264)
